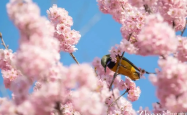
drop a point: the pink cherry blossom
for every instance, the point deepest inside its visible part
(121, 85)
(134, 94)
(78, 89)
(133, 91)
(20, 88)
(173, 10)
(26, 108)
(84, 99)
(34, 39)
(78, 73)
(103, 6)
(152, 40)
(62, 29)
(37, 86)
(140, 3)
(31, 65)
(9, 76)
(63, 22)
(181, 53)
(136, 2)
(125, 46)
(59, 16)
(6, 59)
(126, 107)
(173, 74)
(11, 108)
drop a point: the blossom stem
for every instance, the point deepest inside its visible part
(95, 70)
(3, 43)
(147, 9)
(163, 56)
(71, 54)
(119, 97)
(116, 73)
(184, 29)
(115, 99)
(57, 107)
(122, 7)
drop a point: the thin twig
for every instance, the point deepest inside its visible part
(115, 74)
(122, 7)
(147, 8)
(57, 107)
(163, 56)
(174, 25)
(71, 54)
(119, 97)
(95, 71)
(115, 99)
(3, 43)
(184, 29)
(119, 63)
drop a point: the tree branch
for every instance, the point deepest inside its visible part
(115, 99)
(119, 63)
(147, 8)
(71, 54)
(116, 73)
(184, 29)
(57, 107)
(119, 97)
(3, 43)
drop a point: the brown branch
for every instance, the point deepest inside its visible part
(173, 24)
(115, 99)
(3, 43)
(71, 54)
(95, 71)
(184, 29)
(119, 97)
(119, 63)
(122, 7)
(163, 56)
(116, 73)
(147, 8)
(57, 107)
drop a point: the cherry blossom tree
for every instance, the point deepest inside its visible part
(148, 28)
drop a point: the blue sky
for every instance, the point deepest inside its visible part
(99, 33)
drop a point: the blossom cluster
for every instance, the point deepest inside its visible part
(124, 46)
(36, 36)
(137, 19)
(62, 23)
(140, 3)
(174, 12)
(9, 73)
(74, 90)
(181, 53)
(157, 37)
(171, 84)
(148, 28)
(119, 85)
